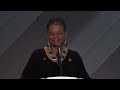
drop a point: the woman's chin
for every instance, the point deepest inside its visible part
(56, 44)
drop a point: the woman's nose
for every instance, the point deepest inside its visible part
(55, 36)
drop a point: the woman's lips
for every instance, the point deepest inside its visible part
(56, 41)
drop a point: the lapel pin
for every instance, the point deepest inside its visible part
(69, 59)
(44, 58)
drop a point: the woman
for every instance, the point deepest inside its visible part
(55, 59)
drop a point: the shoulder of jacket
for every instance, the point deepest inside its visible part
(73, 51)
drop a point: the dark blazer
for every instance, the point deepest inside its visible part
(39, 66)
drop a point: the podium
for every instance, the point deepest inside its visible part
(61, 77)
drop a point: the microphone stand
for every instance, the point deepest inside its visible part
(60, 59)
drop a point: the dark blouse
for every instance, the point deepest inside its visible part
(40, 66)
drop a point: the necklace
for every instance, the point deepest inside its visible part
(61, 57)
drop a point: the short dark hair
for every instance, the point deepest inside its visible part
(56, 21)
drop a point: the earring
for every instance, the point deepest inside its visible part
(48, 44)
(65, 43)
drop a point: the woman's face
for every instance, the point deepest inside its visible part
(56, 34)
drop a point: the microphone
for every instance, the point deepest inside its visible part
(59, 46)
